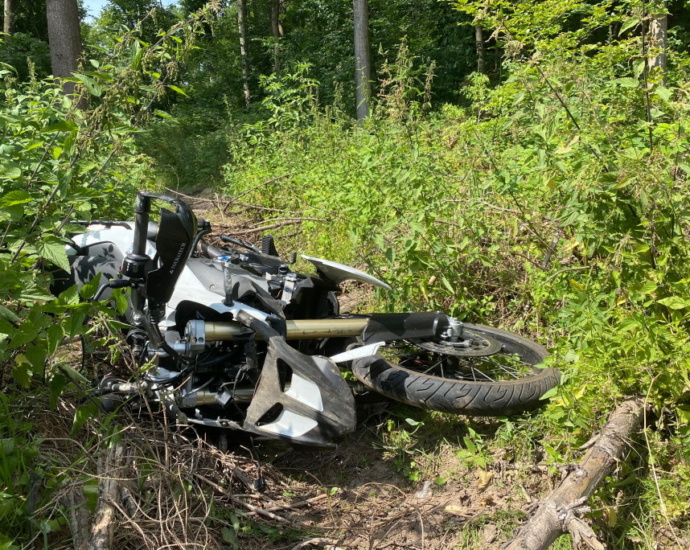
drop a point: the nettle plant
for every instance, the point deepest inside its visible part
(60, 163)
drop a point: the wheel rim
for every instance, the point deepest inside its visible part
(478, 358)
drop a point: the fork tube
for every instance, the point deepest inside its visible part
(141, 223)
(298, 329)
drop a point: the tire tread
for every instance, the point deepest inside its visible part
(462, 396)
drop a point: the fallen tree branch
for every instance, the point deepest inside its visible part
(561, 511)
(288, 221)
(246, 205)
(77, 516)
(262, 184)
(104, 517)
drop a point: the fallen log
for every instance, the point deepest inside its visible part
(108, 488)
(560, 512)
(77, 516)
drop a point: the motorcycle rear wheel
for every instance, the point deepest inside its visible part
(493, 373)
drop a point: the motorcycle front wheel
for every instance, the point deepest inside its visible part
(489, 372)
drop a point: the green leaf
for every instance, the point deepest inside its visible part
(447, 284)
(5, 330)
(76, 323)
(53, 250)
(26, 333)
(629, 323)
(10, 170)
(121, 301)
(683, 414)
(177, 89)
(33, 145)
(629, 24)
(10, 315)
(638, 68)
(674, 302)
(73, 375)
(138, 53)
(36, 354)
(89, 289)
(7, 446)
(22, 371)
(91, 86)
(648, 287)
(55, 334)
(61, 126)
(17, 196)
(57, 385)
(83, 413)
(663, 93)
(627, 82)
(549, 394)
(229, 536)
(69, 296)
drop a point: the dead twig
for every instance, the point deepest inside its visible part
(319, 541)
(239, 502)
(288, 221)
(252, 206)
(485, 203)
(262, 184)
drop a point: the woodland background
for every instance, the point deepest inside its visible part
(517, 163)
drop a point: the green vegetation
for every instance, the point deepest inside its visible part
(548, 196)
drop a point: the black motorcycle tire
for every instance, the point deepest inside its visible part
(460, 396)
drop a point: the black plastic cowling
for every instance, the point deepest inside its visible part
(176, 232)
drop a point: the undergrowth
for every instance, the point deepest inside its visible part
(553, 204)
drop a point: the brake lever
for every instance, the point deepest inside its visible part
(113, 283)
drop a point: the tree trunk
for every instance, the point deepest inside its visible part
(277, 30)
(658, 44)
(244, 53)
(64, 38)
(362, 58)
(8, 14)
(559, 512)
(479, 43)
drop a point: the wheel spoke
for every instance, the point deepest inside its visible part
(484, 360)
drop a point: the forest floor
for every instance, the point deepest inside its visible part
(387, 485)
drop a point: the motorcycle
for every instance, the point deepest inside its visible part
(231, 337)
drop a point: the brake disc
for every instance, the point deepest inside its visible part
(472, 344)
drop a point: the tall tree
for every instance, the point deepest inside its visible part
(64, 38)
(8, 14)
(362, 58)
(277, 30)
(244, 51)
(479, 42)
